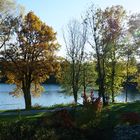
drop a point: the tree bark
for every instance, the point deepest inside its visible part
(112, 81)
(27, 98)
(26, 85)
(101, 74)
(103, 83)
(84, 80)
(127, 74)
(75, 97)
(73, 82)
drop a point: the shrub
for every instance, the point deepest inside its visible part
(63, 118)
(97, 104)
(25, 130)
(130, 118)
(36, 106)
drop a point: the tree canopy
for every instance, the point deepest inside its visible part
(30, 58)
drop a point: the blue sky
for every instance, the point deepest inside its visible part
(57, 13)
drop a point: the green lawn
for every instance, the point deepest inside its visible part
(124, 107)
(82, 123)
(31, 116)
(113, 109)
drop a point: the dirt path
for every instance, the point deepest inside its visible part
(32, 112)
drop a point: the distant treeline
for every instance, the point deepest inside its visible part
(51, 80)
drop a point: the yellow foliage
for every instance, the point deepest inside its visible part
(33, 58)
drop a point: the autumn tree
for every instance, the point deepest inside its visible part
(30, 58)
(113, 33)
(105, 28)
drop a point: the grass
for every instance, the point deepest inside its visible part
(124, 107)
(88, 124)
(113, 110)
(111, 115)
(57, 106)
(38, 107)
(32, 116)
(118, 108)
(17, 117)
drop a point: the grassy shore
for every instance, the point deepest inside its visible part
(78, 123)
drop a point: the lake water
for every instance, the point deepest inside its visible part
(52, 95)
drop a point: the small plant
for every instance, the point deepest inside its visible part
(97, 104)
(64, 119)
(91, 101)
(36, 106)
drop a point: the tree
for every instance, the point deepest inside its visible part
(105, 27)
(113, 33)
(88, 75)
(118, 81)
(130, 65)
(134, 29)
(137, 77)
(130, 48)
(31, 58)
(75, 48)
(94, 19)
(9, 13)
(134, 32)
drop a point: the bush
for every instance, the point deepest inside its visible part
(25, 130)
(63, 119)
(130, 118)
(36, 106)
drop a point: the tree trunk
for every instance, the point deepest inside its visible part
(112, 81)
(126, 92)
(99, 76)
(73, 82)
(100, 69)
(26, 85)
(103, 81)
(113, 58)
(84, 81)
(127, 74)
(102, 91)
(75, 97)
(27, 98)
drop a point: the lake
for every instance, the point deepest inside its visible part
(52, 95)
